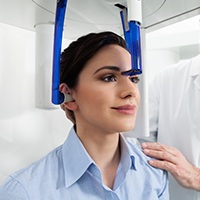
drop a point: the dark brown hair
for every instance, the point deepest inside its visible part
(76, 55)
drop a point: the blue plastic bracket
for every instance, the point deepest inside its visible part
(57, 96)
(133, 41)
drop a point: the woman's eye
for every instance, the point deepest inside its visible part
(134, 79)
(109, 78)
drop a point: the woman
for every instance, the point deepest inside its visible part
(95, 161)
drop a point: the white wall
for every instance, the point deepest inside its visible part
(26, 133)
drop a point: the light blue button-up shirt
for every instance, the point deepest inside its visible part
(69, 173)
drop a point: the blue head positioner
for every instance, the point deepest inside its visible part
(57, 96)
(131, 20)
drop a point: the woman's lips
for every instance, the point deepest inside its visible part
(126, 109)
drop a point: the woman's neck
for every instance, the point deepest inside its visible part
(104, 149)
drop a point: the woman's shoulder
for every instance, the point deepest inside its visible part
(142, 160)
(36, 174)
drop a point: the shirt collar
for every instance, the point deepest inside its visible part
(127, 154)
(76, 160)
(195, 66)
(195, 70)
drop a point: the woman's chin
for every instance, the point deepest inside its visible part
(127, 128)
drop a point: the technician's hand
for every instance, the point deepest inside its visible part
(173, 161)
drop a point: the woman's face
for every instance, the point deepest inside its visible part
(105, 99)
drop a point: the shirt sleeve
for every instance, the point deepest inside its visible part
(13, 190)
(164, 195)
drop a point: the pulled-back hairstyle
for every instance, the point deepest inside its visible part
(77, 54)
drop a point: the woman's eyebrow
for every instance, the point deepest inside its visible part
(108, 67)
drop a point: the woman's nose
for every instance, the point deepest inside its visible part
(128, 88)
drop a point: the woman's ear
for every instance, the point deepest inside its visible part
(66, 91)
(69, 102)
(64, 88)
